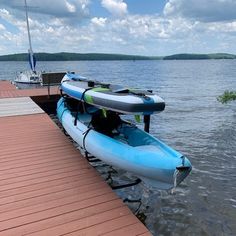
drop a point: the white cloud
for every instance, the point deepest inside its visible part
(56, 8)
(226, 27)
(99, 21)
(2, 27)
(173, 32)
(132, 34)
(70, 7)
(115, 7)
(4, 14)
(202, 10)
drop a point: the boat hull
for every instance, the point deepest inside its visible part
(145, 156)
(28, 77)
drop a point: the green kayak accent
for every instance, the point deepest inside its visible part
(88, 99)
(99, 89)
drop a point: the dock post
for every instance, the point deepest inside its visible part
(48, 88)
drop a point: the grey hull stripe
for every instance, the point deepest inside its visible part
(128, 107)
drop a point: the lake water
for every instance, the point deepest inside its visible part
(194, 123)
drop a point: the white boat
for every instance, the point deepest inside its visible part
(28, 77)
(31, 76)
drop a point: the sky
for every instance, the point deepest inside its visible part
(138, 27)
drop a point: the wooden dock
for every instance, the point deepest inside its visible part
(46, 186)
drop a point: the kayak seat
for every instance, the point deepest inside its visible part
(108, 124)
(73, 104)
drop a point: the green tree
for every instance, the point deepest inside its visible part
(227, 96)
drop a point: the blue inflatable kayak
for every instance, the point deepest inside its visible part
(111, 97)
(123, 145)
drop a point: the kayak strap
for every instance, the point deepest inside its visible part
(83, 105)
(83, 99)
(77, 113)
(83, 94)
(85, 135)
(139, 94)
(91, 83)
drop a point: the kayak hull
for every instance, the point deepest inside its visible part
(132, 150)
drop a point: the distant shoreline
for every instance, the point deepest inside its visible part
(65, 56)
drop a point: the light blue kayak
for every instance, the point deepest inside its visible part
(129, 148)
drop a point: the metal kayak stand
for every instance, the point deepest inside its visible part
(146, 120)
(135, 182)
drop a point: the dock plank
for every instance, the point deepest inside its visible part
(60, 220)
(8, 90)
(50, 201)
(87, 223)
(131, 230)
(19, 197)
(99, 225)
(7, 86)
(18, 106)
(48, 188)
